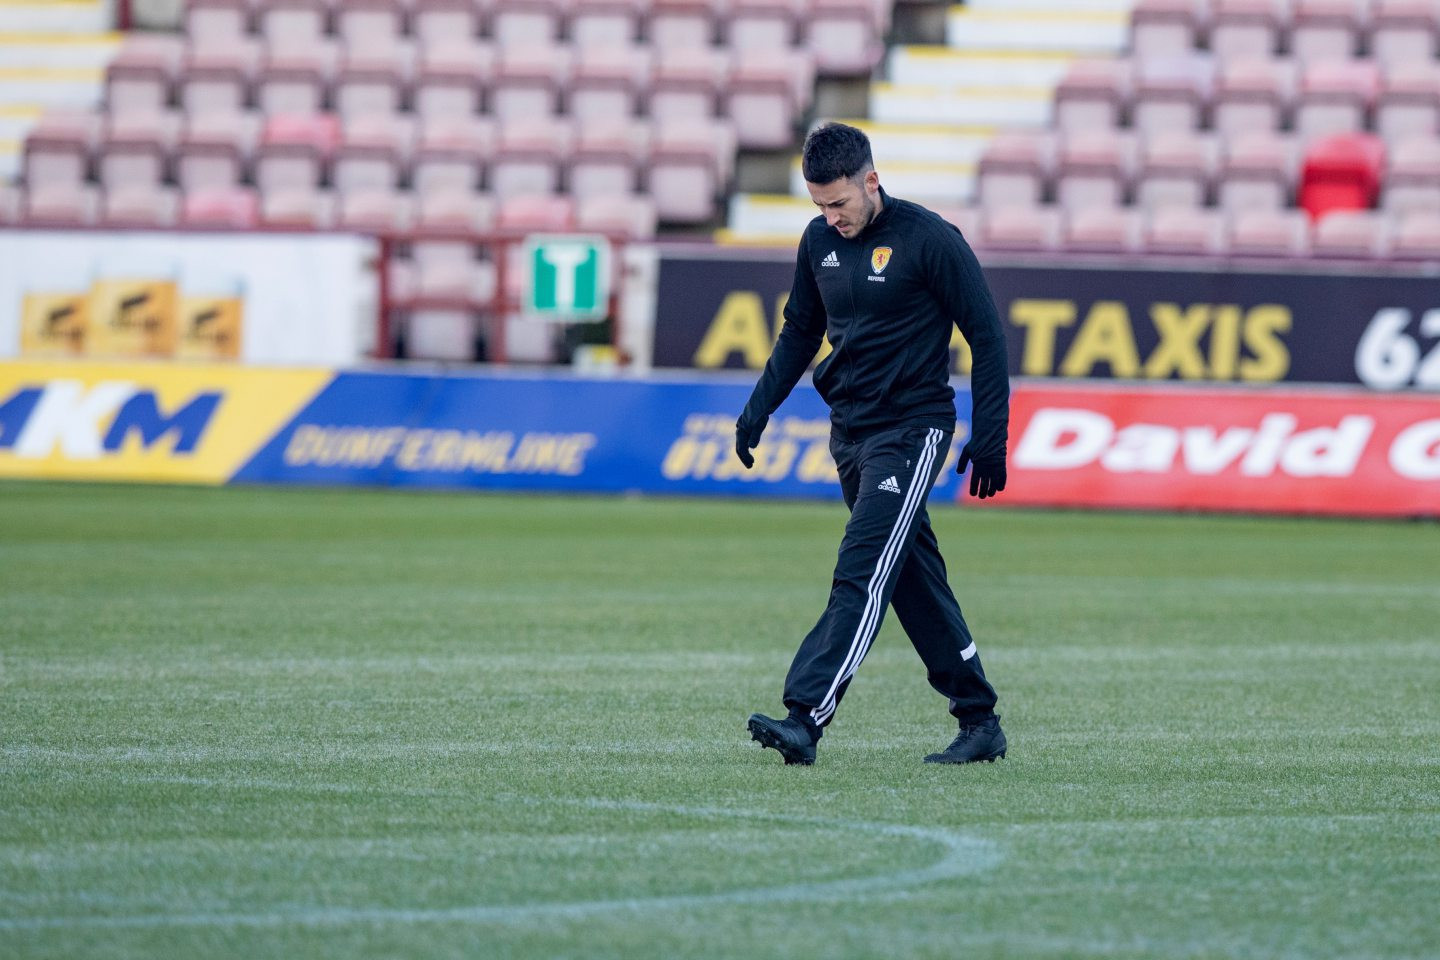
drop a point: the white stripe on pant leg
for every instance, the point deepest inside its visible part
(874, 606)
(969, 651)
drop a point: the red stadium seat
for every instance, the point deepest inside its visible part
(297, 208)
(688, 168)
(1341, 172)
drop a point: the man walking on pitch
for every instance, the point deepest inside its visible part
(885, 279)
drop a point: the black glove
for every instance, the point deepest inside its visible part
(747, 438)
(988, 476)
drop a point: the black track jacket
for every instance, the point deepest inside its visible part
(886, 301)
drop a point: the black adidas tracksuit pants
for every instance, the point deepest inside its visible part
(889, 557)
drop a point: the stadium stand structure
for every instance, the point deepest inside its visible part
(1180, 127)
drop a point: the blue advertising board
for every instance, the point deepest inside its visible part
(552, 433)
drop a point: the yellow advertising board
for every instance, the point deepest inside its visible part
(165, 422)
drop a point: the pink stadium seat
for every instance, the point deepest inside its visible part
(60, 205)
(237, 208)
(145, 207)
(1269, 233)
(1412, 176)
(370, 81)
(682, 24)
(1336, 96)
(1014, 169)
(529, 213)
(370, 156)
(763, 95)
(630, 216)
(447, 21)
(452, 77)
(1327, 29)
(1252, 94)
(764, 24)
(297, 208)
(608, 157)
(1256, 172)
(1093, 168)
(1093, 93)
(292, 81)
(1352, 234)
(215, 150)
(217, 77)
(844, 36)
(1409, 100)
(530, 154)
(686, 83)
(452, 155)
(1102, 230)
(1165, 28)
(1417, 236)
(1246, 28)
(1175, 169)
(1171, 93)
(1404, 31)
(528, 80)
(10, 200)
(609, 80)
(687, 163)
(58, 149)
(1341, 172)
(1022, 229)
(221, 20)
(142, 73)
(374, 211)
(605, 23)
(294, 150)
(369, 24)
(526, 23)
(135, 150)
(1185, 231)
(292, 24)
(447, 212)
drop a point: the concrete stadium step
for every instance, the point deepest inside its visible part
(939, 65)
(937, 182)
(1067, 29)
(58, 50)
(961, 106)
(61, 16)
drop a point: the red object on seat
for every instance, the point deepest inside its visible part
(1341, 173)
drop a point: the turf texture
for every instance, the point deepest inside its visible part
(253, 723)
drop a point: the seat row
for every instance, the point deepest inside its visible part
(684, 166)
(846, 36)
(1388, 30)
(766, 92)
(1186, 232)
(1261, 169)
(1193, 92)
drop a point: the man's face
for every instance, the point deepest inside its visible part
(849, 204)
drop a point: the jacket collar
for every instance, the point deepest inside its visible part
(887, 206)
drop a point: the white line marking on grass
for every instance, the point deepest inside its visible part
(961, 856)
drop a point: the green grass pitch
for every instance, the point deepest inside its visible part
(254, 723)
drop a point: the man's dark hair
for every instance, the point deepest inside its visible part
(834, 151)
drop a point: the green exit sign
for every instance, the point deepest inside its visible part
(569, 277)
